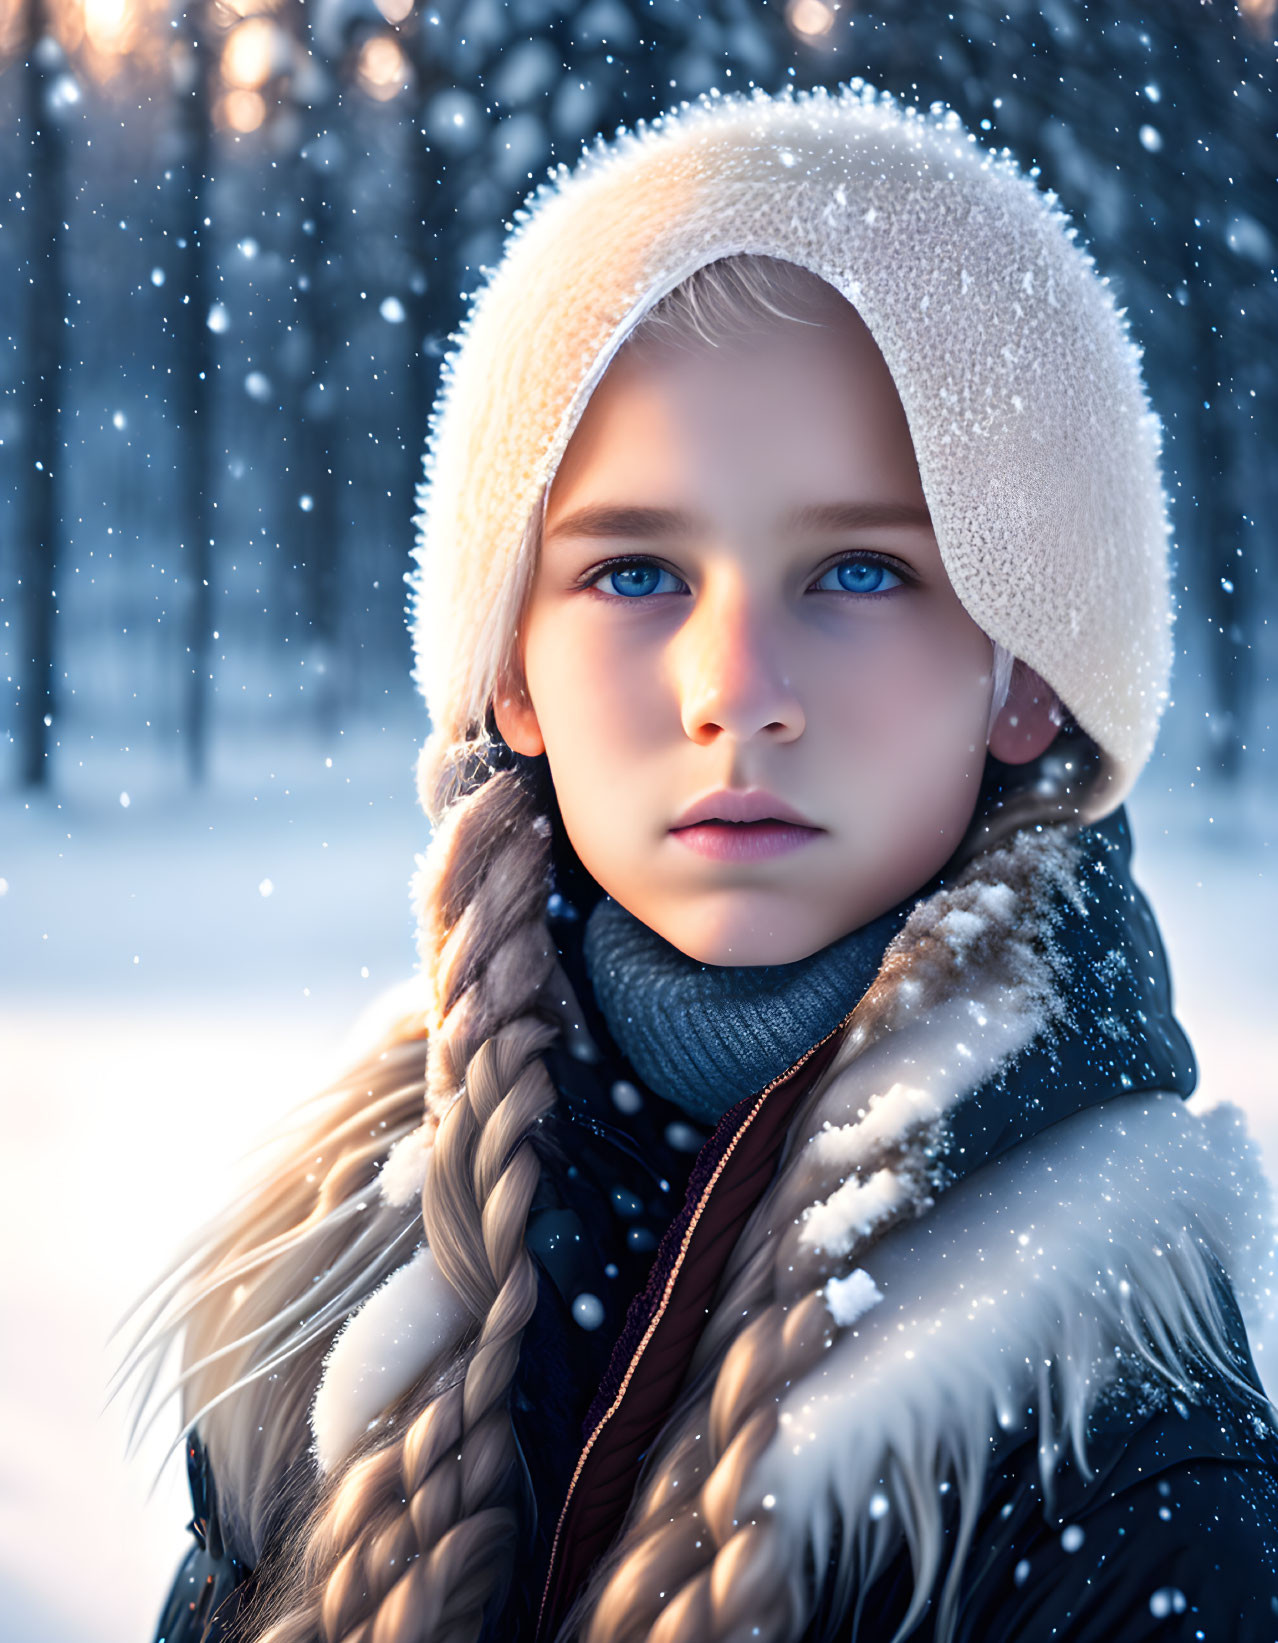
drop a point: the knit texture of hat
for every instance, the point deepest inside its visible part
(1036, 445)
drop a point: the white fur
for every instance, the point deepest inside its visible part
(855, 1212)
(850, 1298)
(1073, 1244)
(403, 1175)
(977, 985)
(881, 1106)
(381, 1351)
(922, 1071)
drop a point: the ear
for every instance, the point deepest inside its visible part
(516, 718)
(1028, 720)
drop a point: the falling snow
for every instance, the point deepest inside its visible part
(179, 963)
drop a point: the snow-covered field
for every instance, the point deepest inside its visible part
(173, 975)
(177, 971)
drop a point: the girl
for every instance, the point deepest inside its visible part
(782, 1219)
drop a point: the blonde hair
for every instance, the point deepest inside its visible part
(413, 1538)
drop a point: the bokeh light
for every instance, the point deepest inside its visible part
(810, 19)
(382, 68)
(249, 53)
(103, 37)
(243, 111)
(109, 24)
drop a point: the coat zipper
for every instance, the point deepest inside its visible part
(665, 1297)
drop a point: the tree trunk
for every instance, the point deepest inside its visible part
(42, 469)
(193, 389)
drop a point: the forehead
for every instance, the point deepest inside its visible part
(782, 416)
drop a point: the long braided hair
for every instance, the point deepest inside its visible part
(413, 1538)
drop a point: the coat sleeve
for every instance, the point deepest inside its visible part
(1174, 1540)
(211, 1583)
(1187, 1556)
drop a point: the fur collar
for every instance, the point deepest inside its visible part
(1074, 1273)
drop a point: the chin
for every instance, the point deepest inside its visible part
(737, 936)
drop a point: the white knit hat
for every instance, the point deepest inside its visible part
(1037, 448)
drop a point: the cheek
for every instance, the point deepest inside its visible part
(606, 722)
(904, 743)
(927, 688)
(598, 700)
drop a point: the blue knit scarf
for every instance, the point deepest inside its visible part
(706, 1035)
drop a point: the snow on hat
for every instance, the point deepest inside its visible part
(1036, 445)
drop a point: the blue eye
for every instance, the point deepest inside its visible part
(638, 580)
(859, 576)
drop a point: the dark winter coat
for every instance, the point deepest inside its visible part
(1175, 1534)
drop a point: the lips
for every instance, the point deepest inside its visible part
(743, 825)
(742, 806)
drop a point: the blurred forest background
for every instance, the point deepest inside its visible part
(235, 243)
(236, 236)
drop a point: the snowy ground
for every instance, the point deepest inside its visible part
(175, 973)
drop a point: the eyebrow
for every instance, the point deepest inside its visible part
(643, 524)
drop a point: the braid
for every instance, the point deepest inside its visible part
(697, 1556)
(687, 1565)
(416, 1538)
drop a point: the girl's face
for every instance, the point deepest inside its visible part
(763, 707)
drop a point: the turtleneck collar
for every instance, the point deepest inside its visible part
(704, 1035)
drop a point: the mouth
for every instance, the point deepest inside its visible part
(743, 825)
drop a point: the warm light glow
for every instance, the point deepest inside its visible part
(10, 28)
(810, 18)
(226, 13)
(108, 24)
(395, 11)
(243, 110)
(382, 69)
(248, 55)
(69, 24)
(104, 35)
(1257, 12)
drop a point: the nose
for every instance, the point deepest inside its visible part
(732, 674)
